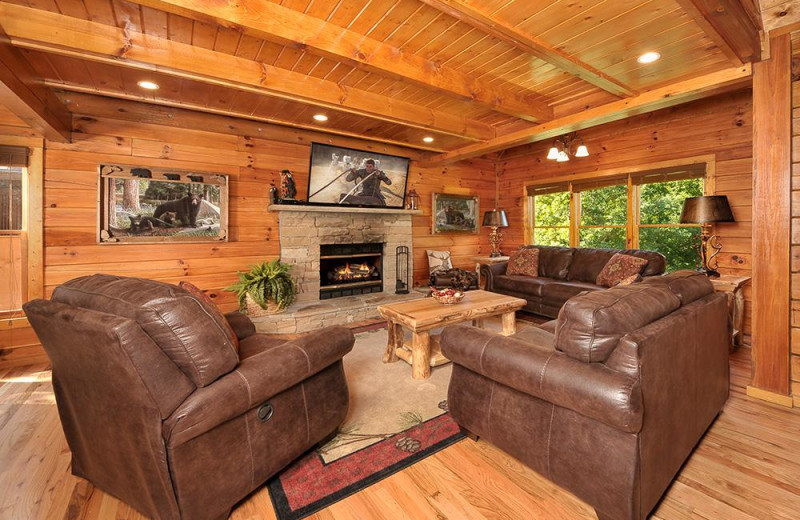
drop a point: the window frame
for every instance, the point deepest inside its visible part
(575, 183)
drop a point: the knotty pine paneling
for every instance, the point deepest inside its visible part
(70, 214)
(795, 240)
(721, 126)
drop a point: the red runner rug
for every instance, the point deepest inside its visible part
(310, 484)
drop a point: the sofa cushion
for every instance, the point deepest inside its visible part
(590, 325)
(618, 268)
(537, 338)
(173, 318)
(212, 310)
(557, 292)
(520, 284)
(554, 261)
(687, 285)
(588, 262)
(524, 262)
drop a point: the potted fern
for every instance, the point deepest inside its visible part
(267, 288)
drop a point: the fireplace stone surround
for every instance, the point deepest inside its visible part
(302, 229)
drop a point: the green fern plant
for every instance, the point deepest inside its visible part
(264, 282)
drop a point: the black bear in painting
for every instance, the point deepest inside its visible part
(143, 223)
(187, 209)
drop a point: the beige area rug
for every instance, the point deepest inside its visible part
(384, 398)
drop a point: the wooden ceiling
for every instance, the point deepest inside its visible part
(476, 75)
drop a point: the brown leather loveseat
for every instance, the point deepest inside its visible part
(162, 410)
(612, 404)
(564, 272)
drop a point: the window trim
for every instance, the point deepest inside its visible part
(626, 175)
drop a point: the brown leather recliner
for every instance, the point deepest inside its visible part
(162, 410)
(612, 404)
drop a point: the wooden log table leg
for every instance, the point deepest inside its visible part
(395, 340)
(421, 355)
(509, 323)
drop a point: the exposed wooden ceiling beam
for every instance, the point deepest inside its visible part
(22, 93)
(118, 94)
(729, 25)
(467, 12)
(678, 93)
(285, 26)
(54, 33)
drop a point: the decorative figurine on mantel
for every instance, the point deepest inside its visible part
(274, 198)
(288, 189)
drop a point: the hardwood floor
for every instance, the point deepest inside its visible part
(746, 467)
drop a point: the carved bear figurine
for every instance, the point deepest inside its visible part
(186, 209)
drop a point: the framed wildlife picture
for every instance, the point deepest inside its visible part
(455, 213)
(142, 204)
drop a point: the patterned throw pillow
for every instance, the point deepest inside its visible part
(524, 262)
(212, 309)
(438, 261)
(618, 268)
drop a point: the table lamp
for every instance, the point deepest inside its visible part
(495, 219)
(706, 210)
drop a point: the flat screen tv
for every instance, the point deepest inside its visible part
(343, 176)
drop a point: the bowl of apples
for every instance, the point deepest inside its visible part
(447, 296)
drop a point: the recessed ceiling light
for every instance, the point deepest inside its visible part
(428, 139)
(320, 117)
(648, 57)
(149, 85)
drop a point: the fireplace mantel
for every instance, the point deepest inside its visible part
(341, 209)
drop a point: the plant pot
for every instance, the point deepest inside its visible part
(255, 310)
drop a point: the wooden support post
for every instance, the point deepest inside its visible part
(772, 149)
(421, 355)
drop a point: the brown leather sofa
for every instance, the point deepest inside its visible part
(564, 272)
(610, 406)
(160, 409)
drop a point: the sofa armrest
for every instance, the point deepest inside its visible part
(590, 389)
(255, 380)
(489, 271)
(242, 326)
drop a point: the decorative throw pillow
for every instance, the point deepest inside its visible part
(618, 268)
(524, 262)
(212, 309)
(439, 261)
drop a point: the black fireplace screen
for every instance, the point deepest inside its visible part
(350, 269)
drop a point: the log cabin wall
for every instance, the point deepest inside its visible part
(720, 126)
(71, 193)
(795, 247)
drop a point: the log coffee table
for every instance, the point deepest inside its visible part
(420, 316)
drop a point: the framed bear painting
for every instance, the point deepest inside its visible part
(143, 204)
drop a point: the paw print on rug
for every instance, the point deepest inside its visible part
(408, 444)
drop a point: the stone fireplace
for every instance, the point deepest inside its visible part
(304, 230)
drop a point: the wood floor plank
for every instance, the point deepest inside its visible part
(745, 468)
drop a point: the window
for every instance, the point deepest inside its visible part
(640, 210)
(551, 214)
(13, 242)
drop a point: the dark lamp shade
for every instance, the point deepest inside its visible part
(709, 208)
(495, 218)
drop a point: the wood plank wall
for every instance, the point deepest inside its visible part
(795, 248)
(721, 126)
(70, 202)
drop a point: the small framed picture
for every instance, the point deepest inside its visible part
(455, 213)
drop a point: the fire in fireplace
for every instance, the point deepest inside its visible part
(350, 269)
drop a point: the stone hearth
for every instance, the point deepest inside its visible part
(303, 229)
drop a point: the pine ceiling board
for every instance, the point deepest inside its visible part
(606, 14)
(8, 118)
(193, 93)
(40, 63)
(288, 57)
(346, 11)
(74, 8)
(249, 47)
(69, 70)
(399, 14)
(227, 40)
(554, 14)
(154, 22)
(179, 29)
(322, 68)
(339, 72)
(417, 22)
(100, 11)
(297, 5)
(204, 35)
(321, 10)
(269, 53)
(370, 16)
(128, 15)
(442, 30)
(102, 76)
(47, 5)
(305, 63)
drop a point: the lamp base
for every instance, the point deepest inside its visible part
(495, 254)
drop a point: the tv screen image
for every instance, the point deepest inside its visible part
(344, 176)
